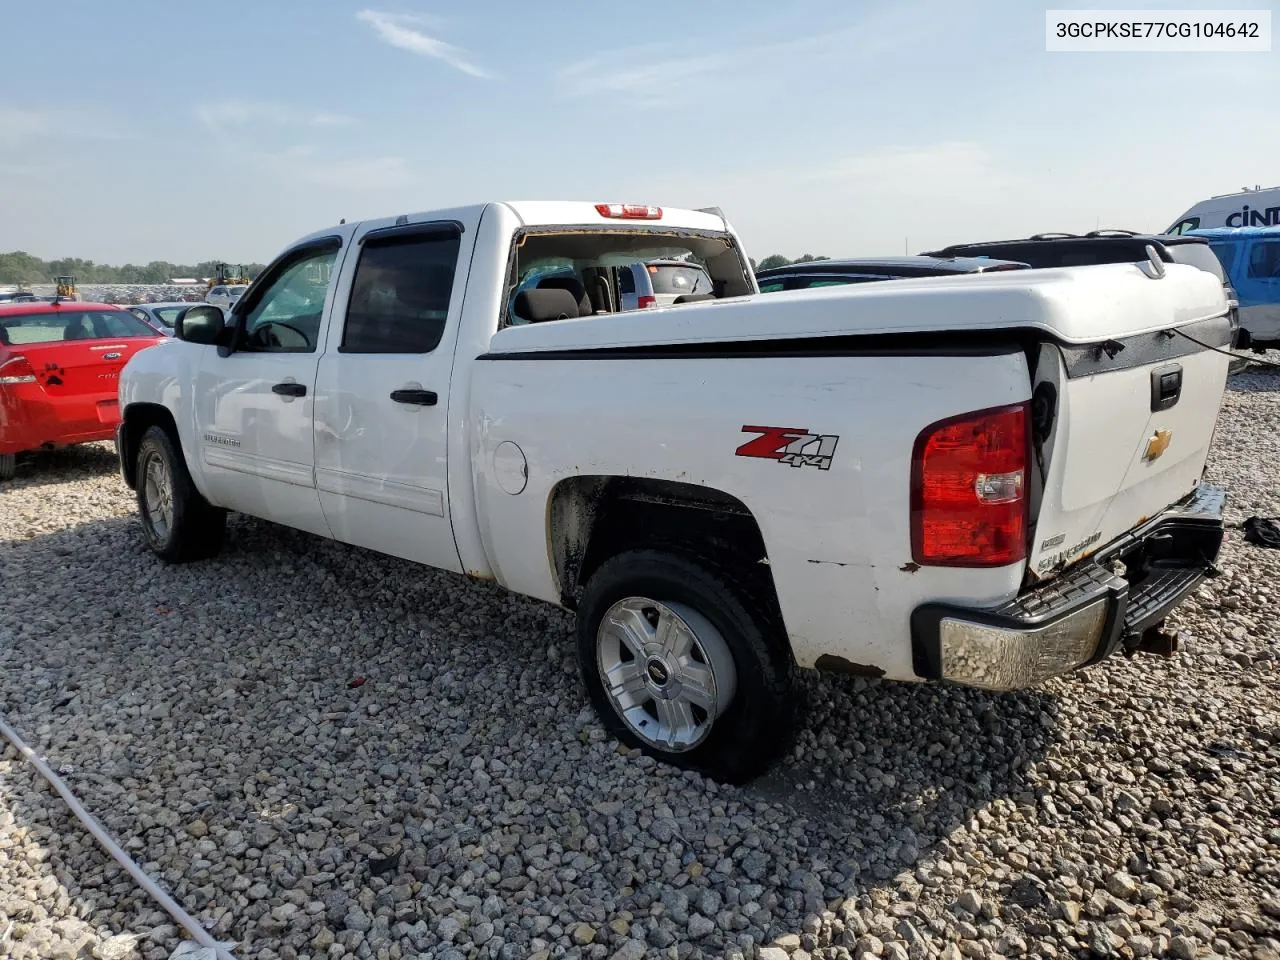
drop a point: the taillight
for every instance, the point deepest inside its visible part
(642, 302)
(969, 489)
(16, 370)
(628, 211)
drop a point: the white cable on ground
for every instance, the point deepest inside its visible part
(171, 906)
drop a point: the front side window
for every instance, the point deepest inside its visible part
(400, 294)
(1183, 226)
(285, 318)
(1264, 260)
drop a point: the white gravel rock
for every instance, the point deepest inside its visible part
(463, 802)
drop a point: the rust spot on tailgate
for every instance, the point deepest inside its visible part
(833, 664)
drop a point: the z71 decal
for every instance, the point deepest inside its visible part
(795, 446)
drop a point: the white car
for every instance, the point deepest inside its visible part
(225, 296)
(987, 479)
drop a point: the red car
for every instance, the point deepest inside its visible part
(60, 368)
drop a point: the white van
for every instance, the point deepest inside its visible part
(1249, 208)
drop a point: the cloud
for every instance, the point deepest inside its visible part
(22, 126)
(306, 164)
(636, 75)
(239, 113)
(394, 29)
(750, 58)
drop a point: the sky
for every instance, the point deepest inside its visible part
(156, 130)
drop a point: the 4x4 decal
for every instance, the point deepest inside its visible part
(795, 446)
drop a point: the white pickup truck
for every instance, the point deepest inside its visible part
(987, 479)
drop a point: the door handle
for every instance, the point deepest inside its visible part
(290, 389)
(421, 398)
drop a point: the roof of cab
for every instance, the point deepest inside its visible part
(551, 213)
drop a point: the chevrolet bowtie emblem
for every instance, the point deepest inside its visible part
(1158, 444)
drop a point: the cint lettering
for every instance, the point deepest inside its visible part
(1245, 217)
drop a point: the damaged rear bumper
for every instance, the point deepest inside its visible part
(1109, 602)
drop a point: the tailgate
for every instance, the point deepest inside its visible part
(1122, 431)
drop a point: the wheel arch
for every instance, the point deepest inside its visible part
(592, 518)
(136, 420)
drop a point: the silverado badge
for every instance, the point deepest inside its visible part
(1158, 444)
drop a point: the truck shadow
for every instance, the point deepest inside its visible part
(463, 731)
(80, 462)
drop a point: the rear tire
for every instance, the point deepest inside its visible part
(680, 662)
(180, 525)
(8, 466)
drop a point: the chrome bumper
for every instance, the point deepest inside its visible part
(1100, 605)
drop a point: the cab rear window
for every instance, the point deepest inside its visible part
(72, 325)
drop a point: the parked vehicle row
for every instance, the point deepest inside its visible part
(724, 489)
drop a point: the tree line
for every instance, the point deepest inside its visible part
(22, 267)
(778, 260)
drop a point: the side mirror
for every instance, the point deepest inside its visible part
(202, 323)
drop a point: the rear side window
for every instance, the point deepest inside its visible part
(626, 280)
(837, 281)
(668, 279)
(400, 294)
(1226, 254)
(1264, 260)
(1198, 255)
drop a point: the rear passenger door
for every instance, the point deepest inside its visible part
(382, 392)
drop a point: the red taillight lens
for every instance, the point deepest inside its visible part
(969, 490)
(642, 302)
(15, 369)
(628, 211)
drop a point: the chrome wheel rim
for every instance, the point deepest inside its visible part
(666, 670)
(157, 494)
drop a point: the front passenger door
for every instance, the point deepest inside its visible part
(254, 406)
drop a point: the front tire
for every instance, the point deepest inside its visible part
(681, 663)
(8, 466)
(180, 525)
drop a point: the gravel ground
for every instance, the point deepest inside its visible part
(463, 802)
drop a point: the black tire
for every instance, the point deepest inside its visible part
(195, 528)
(8, 466)
(748, 736)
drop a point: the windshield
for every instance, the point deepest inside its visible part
(73, 325)
(168, 315)
(670, 278)
(236, 291)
